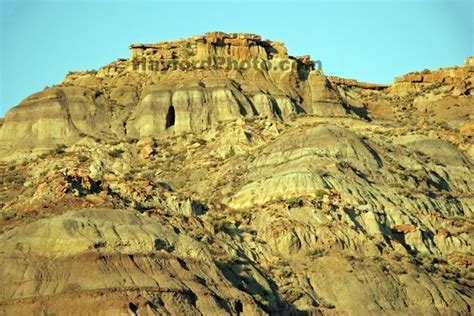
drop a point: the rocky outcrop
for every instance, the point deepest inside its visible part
(433, 97)
(215, 49)
(352, 83)
(175, 87)
(456, 81)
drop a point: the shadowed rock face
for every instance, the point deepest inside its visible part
(209, 190)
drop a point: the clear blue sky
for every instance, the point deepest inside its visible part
(367, 40)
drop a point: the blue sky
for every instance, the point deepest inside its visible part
(367, 40)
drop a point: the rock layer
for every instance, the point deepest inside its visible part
(123, 100)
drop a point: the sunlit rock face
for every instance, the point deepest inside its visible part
(174, 87)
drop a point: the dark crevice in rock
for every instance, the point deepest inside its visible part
(170, 117)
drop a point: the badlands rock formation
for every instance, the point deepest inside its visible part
(219, 175)
(171, 88)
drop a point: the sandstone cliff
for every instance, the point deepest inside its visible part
(171, 88)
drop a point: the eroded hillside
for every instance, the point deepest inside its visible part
(212, 190)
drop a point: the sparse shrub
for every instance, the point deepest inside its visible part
(294, 202)
(60, 149)
(128, 176)
(43, 155)
(426, 261)
(452, 272)
(132, 140)
(83, 158)
(149, 175)
(219, 224)
(196, 234)
(321, 192)
(397, 256)
(351, 257)
(29, 192)
(135, 170)
(9, 215)
(116, 152)
(398, 269)
(316, 252)
(9, 179)
(14, 179)
(445, 126)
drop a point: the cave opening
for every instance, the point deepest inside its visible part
(170, 117)
(239, 308)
